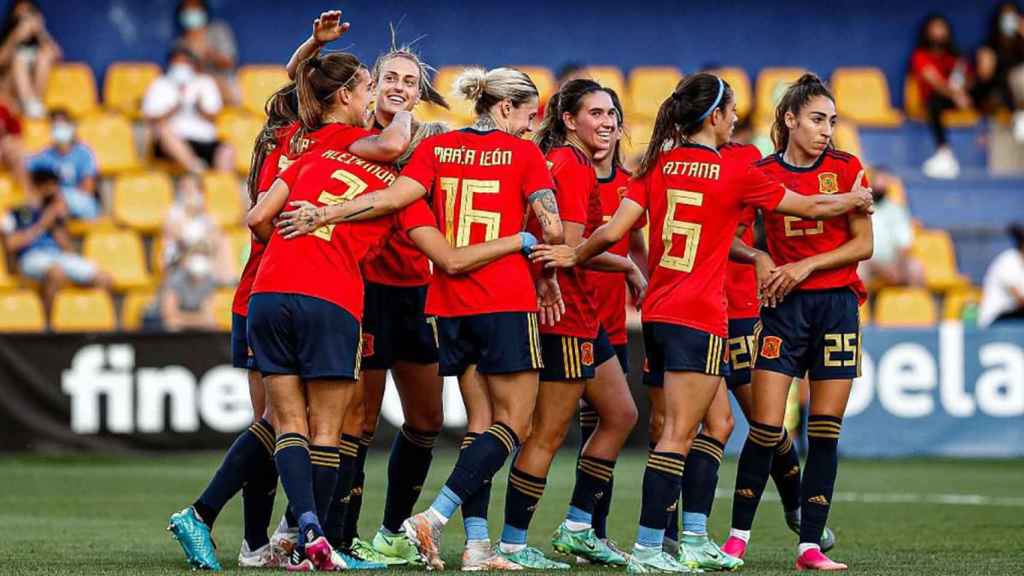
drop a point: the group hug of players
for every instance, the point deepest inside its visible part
(535, 235)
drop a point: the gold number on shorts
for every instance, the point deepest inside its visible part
(672, 227)
(740, 349)
(840, 343)
(819, 227)
(459, 236)
(356, 186)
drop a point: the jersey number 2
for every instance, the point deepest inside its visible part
(356, 186)
(459, 236)
(673, 227)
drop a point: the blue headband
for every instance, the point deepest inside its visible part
(718, 100)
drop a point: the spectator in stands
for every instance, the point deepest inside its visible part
(212, 42)
(74, 164)
(180, 107)
(35, 234)
(892, 264)
(189, 228)
(185, 300)
(940, 73)
(1002, 293)
(27, 54)
(1000, 66)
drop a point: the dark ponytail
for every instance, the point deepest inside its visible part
(282, 109)
(569, 98)
(682, 114)
(318, 79)
(798, 95)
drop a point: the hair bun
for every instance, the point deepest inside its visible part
(471, 83)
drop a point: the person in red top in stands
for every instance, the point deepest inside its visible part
(814, 327)
(941, 76)
(695, 197)
(481, 180)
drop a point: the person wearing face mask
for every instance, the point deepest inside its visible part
(27, 54)
(213, 42)
(74, 164)
(180, 107)
(189, 227)
(185, 301)
(999, 66)
(892, 263)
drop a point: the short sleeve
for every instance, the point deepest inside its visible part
(748, 216)
(758, 190)
(416, 215)
(290, 174)
(853, 167)
(209, 96)
(573, 188)
(421, 166)
(919, 61)
(641, 223)
(536, 176)
(160, 99)
(636, 190)
(36, 162)
(87, 163)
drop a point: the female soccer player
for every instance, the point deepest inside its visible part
(815, 328)
(695, 197)
(305, 333)
(482, 179)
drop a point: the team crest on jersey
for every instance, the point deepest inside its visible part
(771, 347)
(367, 345)
(828, 183)
(587, 354)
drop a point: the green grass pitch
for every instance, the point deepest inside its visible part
(99, 515)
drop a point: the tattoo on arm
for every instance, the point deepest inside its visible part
(358, 212)
(547, 200)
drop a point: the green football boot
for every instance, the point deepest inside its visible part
(585, 544)
(655, 561)
(533, 559)
(702, 552)
(396, 548)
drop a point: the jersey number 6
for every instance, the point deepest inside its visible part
(691, 230)
(459, 236)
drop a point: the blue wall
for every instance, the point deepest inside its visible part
(752, 34)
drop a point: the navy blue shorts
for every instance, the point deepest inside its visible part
(241, 354)
(571, 358)
(497, 343)
(395, 328)
(622, 351)
(742, 351)
(812, 331)
(676, 348)
(303, 335)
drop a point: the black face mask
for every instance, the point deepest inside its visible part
(878, 194)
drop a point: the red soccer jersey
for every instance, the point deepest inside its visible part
(479, 184)
(579, 202)
(274, 163)
(610, 287)
(326, 263)
(791, 239)
(740, 280)
(694, 198)
(922, 59)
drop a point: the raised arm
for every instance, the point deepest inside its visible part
(390, 144)
(305, 217)
(825, 206)
(327, 28)
(461, 260)
(260, 218)
(543, 204)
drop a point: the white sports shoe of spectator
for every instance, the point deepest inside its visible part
(942, 164)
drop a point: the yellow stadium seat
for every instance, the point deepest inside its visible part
(35, 135)
(120, 253)
(916, 109)
(607, 76)
(771, 84)
(222, 300)
(111, 140)
(223, 198)
(258, 83)
(133, 308)
(637, 137)
(7, 280)
(82, 310)
(72, 87)
(461, 112)
(10, 195)
(156, 256)
(955, 301)
(864, 311)
(240, 130)
(125, 86)
(740, 83)
(934, 249)
(846, 137)
(649, 86)
(21, 311)
(141, 200)
(862, 95)
(542, 78)
(904, 308)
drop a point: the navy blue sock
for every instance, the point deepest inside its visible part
(408, 465)
(476, 465)
(258, 493)
(753, 470)
(291, 455)
(819, 475)
(325, 461)
(603, 507)
(244, 455)
(341, 495)
(475, 508)
(786, 473)
(662, 478)
(593, 477)
(521, 498)
(701, 477)
(355, 502)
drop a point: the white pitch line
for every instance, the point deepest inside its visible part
(903, 498)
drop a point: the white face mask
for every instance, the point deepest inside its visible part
(180, 73)
(62, 132)
(1009, 23)
(193, 18)
(198, 266)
